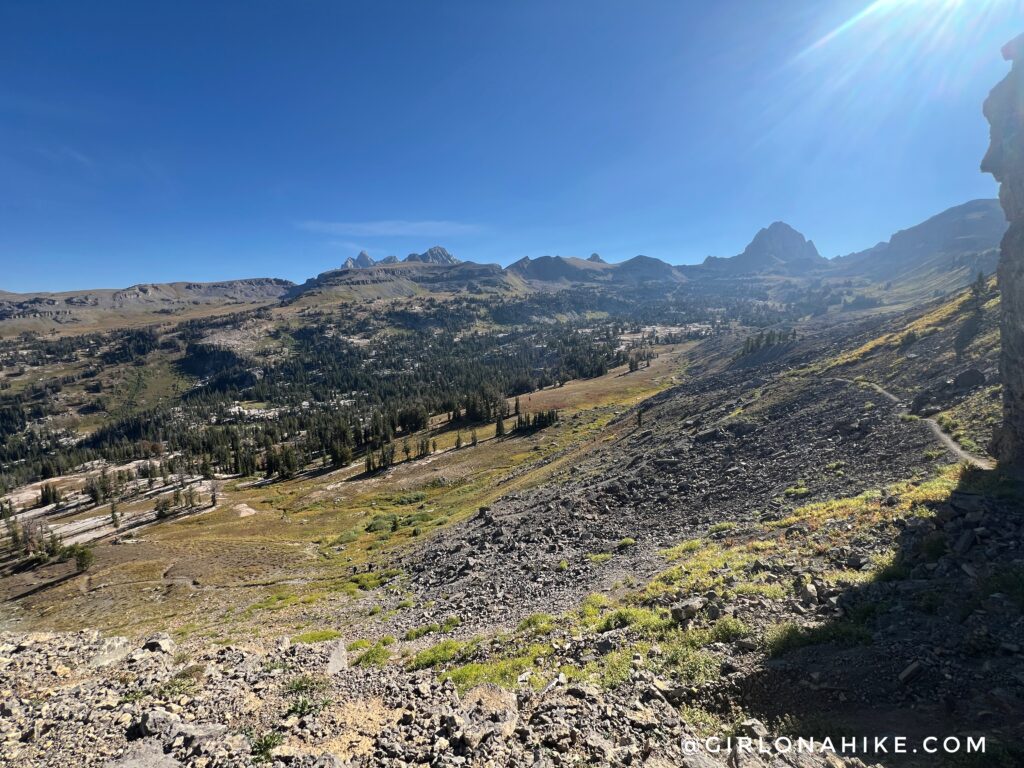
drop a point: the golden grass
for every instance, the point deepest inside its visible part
(293, 558)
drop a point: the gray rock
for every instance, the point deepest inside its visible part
(687, 609)
(157, 722)
(970, 379)
(338, 660)
(753, 728)
(112, 649)
(148, 753)
(161, 642)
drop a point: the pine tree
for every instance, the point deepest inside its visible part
(978, 289)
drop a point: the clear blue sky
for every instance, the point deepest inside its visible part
(209, 140)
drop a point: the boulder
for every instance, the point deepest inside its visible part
(112, 649)
(161, 642)
(687, 609)
(970, 379)
(338, 660)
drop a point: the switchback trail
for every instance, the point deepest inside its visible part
(940, 434)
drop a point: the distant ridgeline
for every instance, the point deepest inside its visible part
(337, 375)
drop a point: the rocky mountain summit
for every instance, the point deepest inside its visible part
(362, 261)
(435, 255)
(778, 248)
(960, 242)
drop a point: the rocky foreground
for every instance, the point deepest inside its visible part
(934, 637)
(85, 700)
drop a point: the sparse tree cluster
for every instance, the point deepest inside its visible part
(767, 339)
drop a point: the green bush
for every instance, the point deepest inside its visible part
(538, 624)
(503, 672)
(382, 523)
(438, 654)
(417, 632)
(643, 620)
(264, 745)
(305, 684)
(377, 655)
(727, 629)
(317, 636)
(304, 705)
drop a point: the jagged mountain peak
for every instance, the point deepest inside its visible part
(362, 261)
(435, 255)
(780, 243)
(775, 248)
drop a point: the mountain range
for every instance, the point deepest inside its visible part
(435, 255)
(966, 236)
(935, 257)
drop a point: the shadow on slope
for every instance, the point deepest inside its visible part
(931, 645)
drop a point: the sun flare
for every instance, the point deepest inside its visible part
(914, 17)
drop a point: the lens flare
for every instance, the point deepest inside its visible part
(936, 9)
(896, 42)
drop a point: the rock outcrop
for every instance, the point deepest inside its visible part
(1004, 109)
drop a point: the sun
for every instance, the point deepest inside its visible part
(925, 16)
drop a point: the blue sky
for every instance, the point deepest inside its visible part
(200, 141)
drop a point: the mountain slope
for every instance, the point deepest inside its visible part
(407, 278)
(559, 269)
(106, 307)
(939, 255)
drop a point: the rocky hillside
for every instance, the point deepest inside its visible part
(771, 532)
(110, 702)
